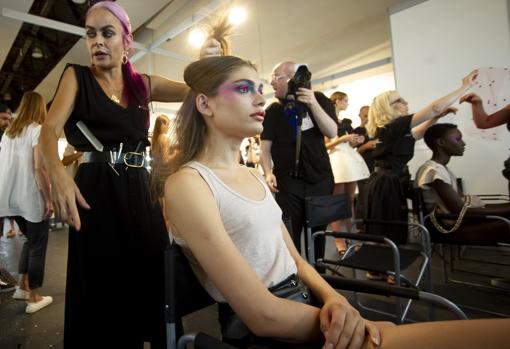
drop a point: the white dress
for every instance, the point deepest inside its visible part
(347, 164)
(19, 194)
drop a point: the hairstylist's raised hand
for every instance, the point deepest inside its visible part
(471, 98)
(469, 79)
(64, 195)
(343, 326)
(211, 48)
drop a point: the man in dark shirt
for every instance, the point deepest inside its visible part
(313, 175)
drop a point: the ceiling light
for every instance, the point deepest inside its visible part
(197, 37)
(79, 2)
(37, 53)
(7, 96)
(237, 15)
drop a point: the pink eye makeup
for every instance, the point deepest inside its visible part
(243, 87)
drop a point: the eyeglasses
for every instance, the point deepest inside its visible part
(400, 100)
(277, 77)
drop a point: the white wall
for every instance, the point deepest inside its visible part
(437, 42)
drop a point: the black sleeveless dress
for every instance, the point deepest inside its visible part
(387, 187)
(115, 276)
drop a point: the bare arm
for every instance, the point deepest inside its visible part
(340, 322)
(65, 193)
(166, 90)
(42, 180)
(265, 162)
(419, 131)
(331, 143)
(454, 201)
(480, 117)
(440, 105)
(265, 314)
(69, 159)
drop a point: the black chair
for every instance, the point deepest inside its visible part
(184, 295)
(451, 250)
(371, 253)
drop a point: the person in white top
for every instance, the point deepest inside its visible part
(217, 209)
(440, 192)
(25, 195)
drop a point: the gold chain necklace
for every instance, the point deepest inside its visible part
(112, 92)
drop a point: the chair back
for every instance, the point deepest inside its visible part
(184, 293)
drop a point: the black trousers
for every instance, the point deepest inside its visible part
(33, 252)
(291, 199)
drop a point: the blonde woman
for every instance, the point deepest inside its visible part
(347, 164)
(25, 195)
(159, 142)
(397, 130)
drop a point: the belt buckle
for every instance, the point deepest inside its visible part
(130, 153)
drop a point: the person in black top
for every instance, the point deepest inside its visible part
(117, 236)
(396, 131)
(278, 144)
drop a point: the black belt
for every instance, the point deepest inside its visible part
(130, 159)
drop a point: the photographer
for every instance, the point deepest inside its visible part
(295, 177)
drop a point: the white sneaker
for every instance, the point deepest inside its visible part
(36, 306)
(20, 294)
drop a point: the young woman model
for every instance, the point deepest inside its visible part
(223, 216)
(25, 195)
(117, 235)
(347, 164)
(396, 131)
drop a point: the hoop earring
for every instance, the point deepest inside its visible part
(125, 58)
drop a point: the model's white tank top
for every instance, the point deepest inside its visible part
(253, 226)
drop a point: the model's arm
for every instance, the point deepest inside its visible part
(480, 117)
(65, 193)
(440, 105)
(326, 124)
(43, 181)
(194, 216)
(340, 322)
(265, 162)
(454, 202)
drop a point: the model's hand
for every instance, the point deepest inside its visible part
(306, 96)
(271, 183)
(471, 98)
(64, 195)
(343, 326)
(468, 80)
(211, 48)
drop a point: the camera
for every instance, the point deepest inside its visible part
(302, 78)
(294, 108)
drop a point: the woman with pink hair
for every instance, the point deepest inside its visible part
(117, 235)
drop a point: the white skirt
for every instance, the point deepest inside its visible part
(347, 164)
